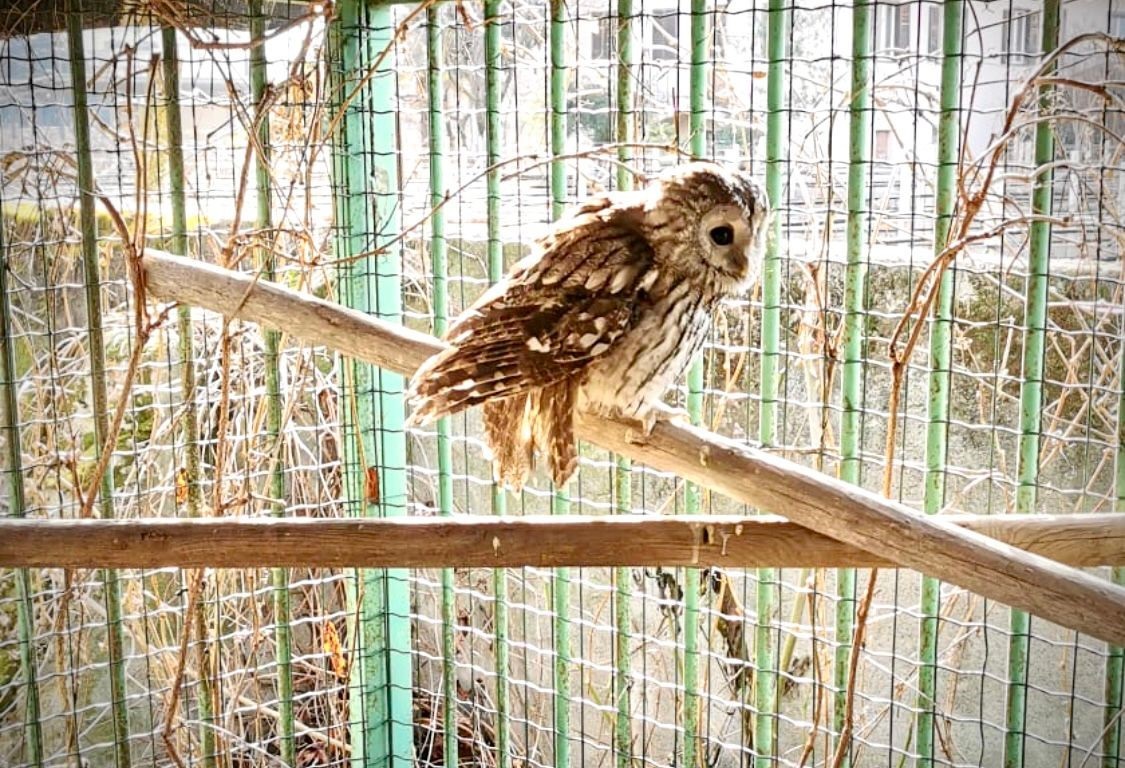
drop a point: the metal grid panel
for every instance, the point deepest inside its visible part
(152, 475)
(885, 181)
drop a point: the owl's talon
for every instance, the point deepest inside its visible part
(635, 437)
(676, 414)
(661, 412)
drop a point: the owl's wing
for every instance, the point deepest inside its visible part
(556, 312)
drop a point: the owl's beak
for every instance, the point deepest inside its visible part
(738, 262)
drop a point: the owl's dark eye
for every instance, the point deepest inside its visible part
(722, 235)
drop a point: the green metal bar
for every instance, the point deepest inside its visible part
(89, 228)
(1111, 742)
(439, 261)
(557, 35)
(937, 429)
(698, 71)
(173, 126)
(771, 267)
(693, 502)
(622, 471)
(1031, 390)
(764, 651)
(493, 136)
(560, 504)
(493, 140)
(851, 437)
(25, 611)
(623, 627)
(279, 577)
(560, 604)
(366, 179)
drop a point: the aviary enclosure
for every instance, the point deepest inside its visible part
(939, 321)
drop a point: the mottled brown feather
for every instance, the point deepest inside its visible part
(511, 445)
(546, 321)
(553, 409)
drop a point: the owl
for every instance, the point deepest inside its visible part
(604, 314)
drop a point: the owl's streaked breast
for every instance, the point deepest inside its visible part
(633, 375)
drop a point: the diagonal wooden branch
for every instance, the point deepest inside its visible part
(852, 515)
(543, 541)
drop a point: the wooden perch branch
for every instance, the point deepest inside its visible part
(470, 542)
(857, 517)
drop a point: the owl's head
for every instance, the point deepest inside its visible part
(718, 215)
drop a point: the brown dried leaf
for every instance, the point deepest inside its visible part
(330, 639)
(371, 485)
(466, 20)
(181, 486)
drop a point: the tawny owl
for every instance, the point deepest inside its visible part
(606, 312)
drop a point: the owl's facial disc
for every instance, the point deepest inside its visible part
(726, 208)
(728, 240)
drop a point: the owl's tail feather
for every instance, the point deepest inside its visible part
(509, 440)
(540, 421)
(553, 410)
(459, 378)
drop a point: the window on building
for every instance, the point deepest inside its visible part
(1021, 32)
(728, 38)
(1021, 150)
(741, 36)
(882, 144)
(603, 43)
(666, 36)
(934, 29)
(1117, 24)
(893, 24)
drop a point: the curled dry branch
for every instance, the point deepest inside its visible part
(534, 160)
(974, 187)
(172, 14)
(975, 180)
(144, 328)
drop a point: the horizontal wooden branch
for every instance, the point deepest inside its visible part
(462, 541)
(824, 504)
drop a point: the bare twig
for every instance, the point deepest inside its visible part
(537, 160)
(171, 14)
(172, 708)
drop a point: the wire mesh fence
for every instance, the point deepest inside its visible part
(945, 250)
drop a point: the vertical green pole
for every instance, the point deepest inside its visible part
(25, 612)
(1111, 742)
(622, 472)
(940, 363)
(765, 661)
(851, 437)
(279, 577)
(88, 227)
(697, 100)
(366, 181)
(175, 133)
(1031, 390)
(560, 583)
(493, 139)
(439, 262)
(173, 126)
(557, 34)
